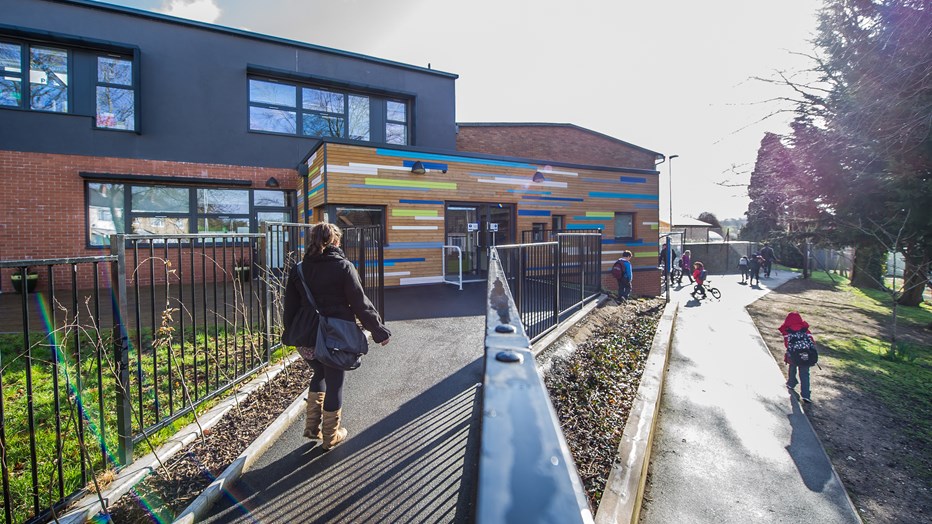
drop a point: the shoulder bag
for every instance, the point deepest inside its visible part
(338, 343)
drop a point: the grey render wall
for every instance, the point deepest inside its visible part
(194, 89)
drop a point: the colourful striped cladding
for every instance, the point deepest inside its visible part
(415, 204)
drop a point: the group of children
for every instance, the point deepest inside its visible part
(623, 273)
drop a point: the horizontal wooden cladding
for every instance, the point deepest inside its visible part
(415, 203)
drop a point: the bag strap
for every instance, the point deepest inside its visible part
(307, 290)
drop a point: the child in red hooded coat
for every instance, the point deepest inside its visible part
(794, 323)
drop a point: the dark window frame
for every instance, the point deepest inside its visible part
(377, 118)
(615, 222)
(133, 87)
(73, 45)
(192, 215)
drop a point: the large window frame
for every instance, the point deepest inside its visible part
(313, 110)
(356, 215)
(51, 73)
(114, 206)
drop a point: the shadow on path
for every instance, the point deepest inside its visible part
(415, 465)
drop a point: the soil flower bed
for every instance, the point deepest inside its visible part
(165, 494)
(594, 387)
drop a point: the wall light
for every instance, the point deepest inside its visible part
(303, 170)
(538, 177)
(418, 168)
(271, 182)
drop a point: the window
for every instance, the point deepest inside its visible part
(11, 75)
(170, 210)
(624, 226)
(538, 231)
(315, 111)
(38, 77)
(557, 223)
(272, 107)
(116, 100)
(48, 79)
(357, 216)
(396, 122)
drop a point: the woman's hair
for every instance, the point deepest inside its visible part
(323, 234)
(698, 265)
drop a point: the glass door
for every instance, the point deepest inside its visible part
(462, 232)
(475, 228)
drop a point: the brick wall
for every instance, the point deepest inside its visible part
(557, 143)
(42, 201)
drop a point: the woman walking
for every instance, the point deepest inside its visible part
(336, 289)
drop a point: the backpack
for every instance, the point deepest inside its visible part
(618, 269)
(801, 348)
(703, 275)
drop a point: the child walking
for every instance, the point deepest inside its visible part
(743, 269)
(798, 341)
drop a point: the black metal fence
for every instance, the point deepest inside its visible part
(112, 349)
(550, 280)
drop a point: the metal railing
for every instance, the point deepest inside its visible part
(57, 385)
(112, 349)
(550, 280)
(526, 472)
(459, 265)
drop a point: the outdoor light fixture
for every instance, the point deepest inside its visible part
(538, 177)
(418, 168)
(303, 170)
(271, 182)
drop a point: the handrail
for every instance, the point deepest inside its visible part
(443, 260)
(526, 472)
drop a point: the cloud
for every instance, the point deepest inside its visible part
(200, 10)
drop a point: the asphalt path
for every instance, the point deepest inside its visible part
(733, 445)
(412, 414)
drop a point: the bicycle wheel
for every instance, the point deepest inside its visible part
(715, 292)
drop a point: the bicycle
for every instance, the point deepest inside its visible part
(716, 294)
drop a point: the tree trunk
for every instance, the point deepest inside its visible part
(868, 267)
(915, 279)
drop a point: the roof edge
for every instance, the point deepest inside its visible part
(472, 154)
(104, 6)
(558, 124)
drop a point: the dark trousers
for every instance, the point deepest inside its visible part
(330, 381)
(624, 288)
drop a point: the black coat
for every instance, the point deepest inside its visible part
(337, 291)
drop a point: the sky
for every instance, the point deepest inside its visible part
(672, 76)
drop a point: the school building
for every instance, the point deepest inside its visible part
(116, 120)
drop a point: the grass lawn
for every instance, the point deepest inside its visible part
(211, 361)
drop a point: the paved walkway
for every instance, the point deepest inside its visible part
(412, 413)
(732, 445)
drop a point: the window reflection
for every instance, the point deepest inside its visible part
(225, 201)
(105, 212)
(160, 199)
(48, 79)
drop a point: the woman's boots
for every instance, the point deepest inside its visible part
(315, 408)
(332, 432)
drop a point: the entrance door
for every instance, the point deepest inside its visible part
(474, 228)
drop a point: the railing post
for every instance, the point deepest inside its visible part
(265, 261)
(558, 261)
(124, 408)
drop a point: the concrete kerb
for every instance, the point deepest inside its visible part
(89, 505)
(205, 501)
(624, 489)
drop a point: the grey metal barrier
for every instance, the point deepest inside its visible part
(526, 472)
